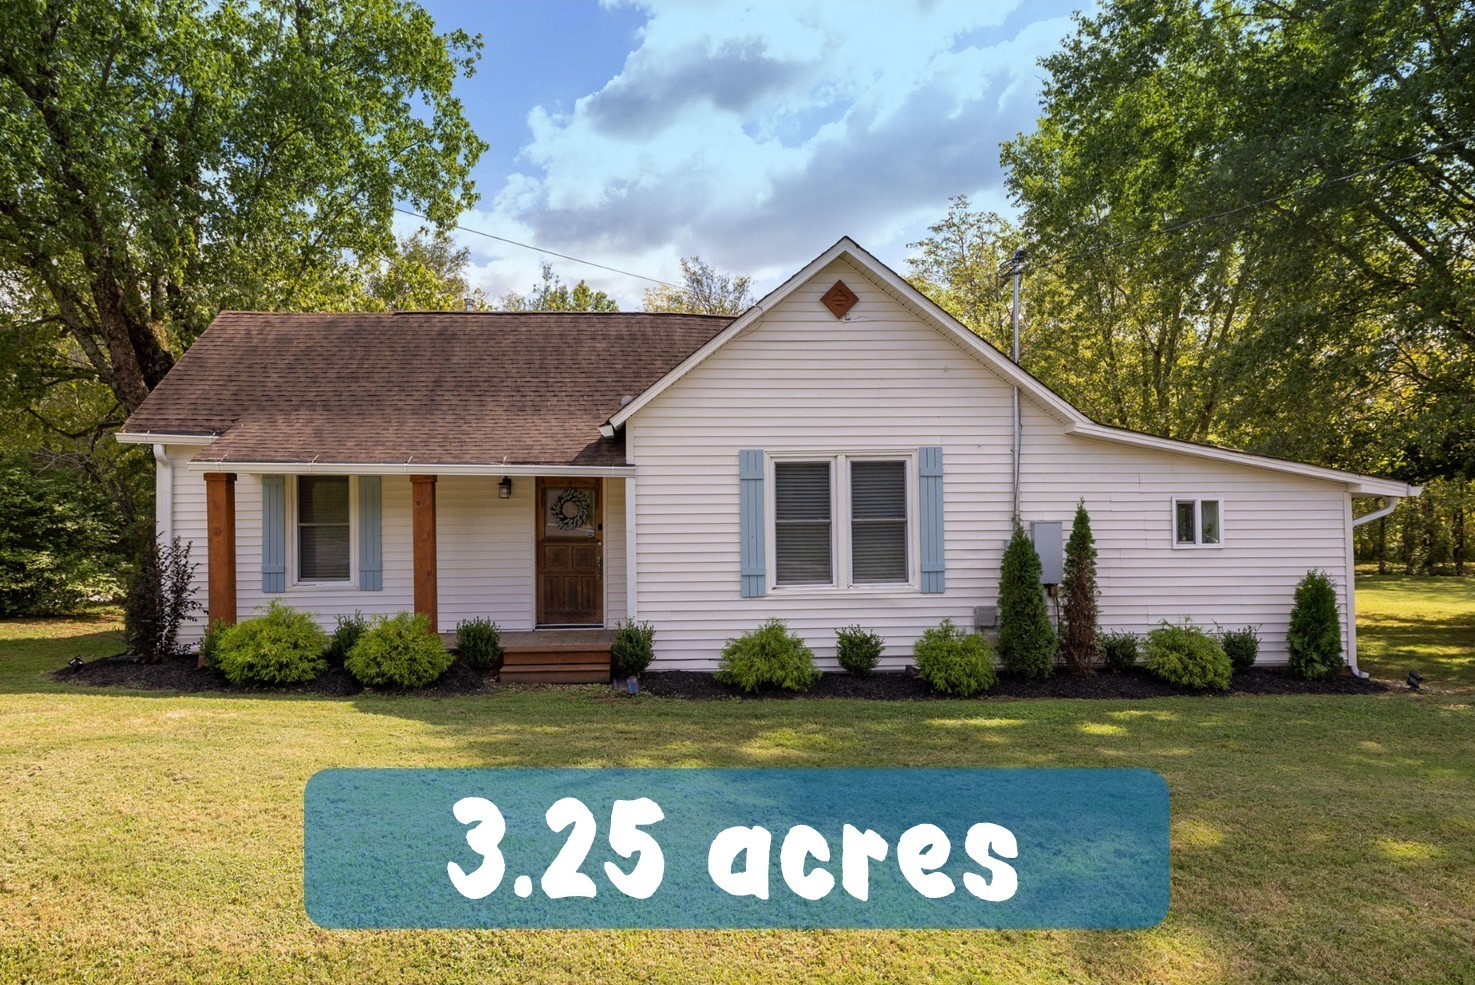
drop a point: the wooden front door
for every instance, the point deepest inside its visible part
(570, 553)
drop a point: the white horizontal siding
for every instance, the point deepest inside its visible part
(484, 551)
(800, 381)
(614, 551)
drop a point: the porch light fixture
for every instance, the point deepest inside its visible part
(504, 488)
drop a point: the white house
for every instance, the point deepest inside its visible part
(842, 452)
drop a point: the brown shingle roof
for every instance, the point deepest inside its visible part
(422, 387)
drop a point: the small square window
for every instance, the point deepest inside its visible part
(1197, 523)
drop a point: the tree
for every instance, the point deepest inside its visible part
(552, 294)
(1081, 606)
(54, 541)
(167, 160)
(958, 266)
(1156, 187)
(706, 292)
(426, 273)
(1027, 642)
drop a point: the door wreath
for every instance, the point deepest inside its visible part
(571, 509)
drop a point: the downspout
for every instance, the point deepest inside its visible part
(1390, 504)
(163, 495)
(1016, 265)
(1379, 513)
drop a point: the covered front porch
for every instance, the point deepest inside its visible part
(545, 557)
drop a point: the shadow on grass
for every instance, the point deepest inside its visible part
(1425, 624)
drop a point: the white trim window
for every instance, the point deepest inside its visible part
(323, 528)
(1198, 522)
(842, 521)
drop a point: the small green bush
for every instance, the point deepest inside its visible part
(1027, 641)
(280, 646)
(1188, 657)
(345, 634)
(210, 644)
(633, 648)
(1242, 645)
(160, 597)
(479, 642)
(1315, 635)
(398, 651)
(1119, 651)
(858, 649)
(954, 662)
(769, 656)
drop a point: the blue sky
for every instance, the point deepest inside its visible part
(752, 134)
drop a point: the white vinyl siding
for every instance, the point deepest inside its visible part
(802, 385)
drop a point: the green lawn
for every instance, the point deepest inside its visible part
(152, 838)
(1423, 624)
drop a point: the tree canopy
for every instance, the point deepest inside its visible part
(705, 292)
(552, 294)
(165, 160)
(1272, 206)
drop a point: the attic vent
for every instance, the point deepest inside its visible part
(626, 399)
(839, 299)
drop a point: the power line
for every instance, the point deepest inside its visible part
(552, 253)
(1178, 227)
(180, 142)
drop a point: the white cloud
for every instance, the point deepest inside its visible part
(756, 136)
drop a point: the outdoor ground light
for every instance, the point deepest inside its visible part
(1414, 680)
(504, 488)
(75, 663)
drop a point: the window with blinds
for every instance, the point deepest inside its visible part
(878, 522)
(801, 522)
(322, 528)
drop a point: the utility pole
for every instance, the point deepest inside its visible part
(1015, 268)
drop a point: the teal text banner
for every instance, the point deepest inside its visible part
(736, 848)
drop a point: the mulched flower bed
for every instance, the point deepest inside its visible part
(907, 686)
(183, 677)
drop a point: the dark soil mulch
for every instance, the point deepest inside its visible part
(183, 677)
(906, 685)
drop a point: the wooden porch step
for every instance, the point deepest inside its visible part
(557, 673)
(557, 657)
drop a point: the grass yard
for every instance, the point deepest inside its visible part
(1322, 839)
(1423, 624)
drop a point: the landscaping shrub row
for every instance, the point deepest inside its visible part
(284, 646)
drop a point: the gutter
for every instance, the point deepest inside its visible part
(1390, 503)
(408, 468)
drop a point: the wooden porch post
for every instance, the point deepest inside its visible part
(220, 520)
(423, 547)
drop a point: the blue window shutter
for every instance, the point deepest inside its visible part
(754, 521)
(273, 533)
(371, 538)
(929, 472)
